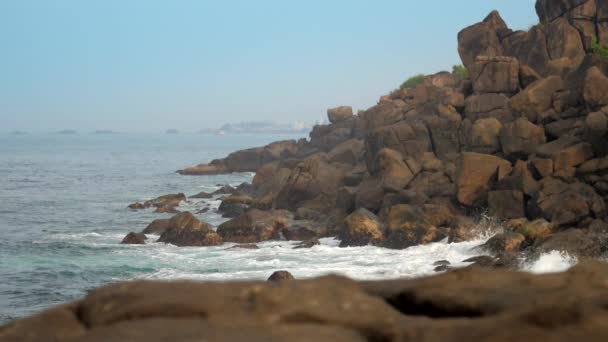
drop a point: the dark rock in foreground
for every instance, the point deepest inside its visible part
(472, 304)
(134, 239)
(186, 230)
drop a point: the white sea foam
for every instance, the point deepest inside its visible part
(551, 262)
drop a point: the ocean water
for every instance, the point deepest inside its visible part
(63, 213)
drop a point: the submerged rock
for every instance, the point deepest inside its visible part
(278, 276)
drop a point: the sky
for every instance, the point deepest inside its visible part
(151, 65)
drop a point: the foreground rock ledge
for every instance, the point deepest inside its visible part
(461, 305)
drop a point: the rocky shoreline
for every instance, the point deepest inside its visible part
(520, 132)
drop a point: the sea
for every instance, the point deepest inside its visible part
(63, 213)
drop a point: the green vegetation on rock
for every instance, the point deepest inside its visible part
(599, 49)
(413, 81)
(460, 71)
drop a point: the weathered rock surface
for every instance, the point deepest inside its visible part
(472, 303)
(254, 226)
(163, 204)
(134, 239)
(186, 230)
(361, 228)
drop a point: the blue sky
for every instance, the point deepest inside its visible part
(148, 65)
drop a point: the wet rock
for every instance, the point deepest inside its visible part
(134, 239)
(303, 230)
(163, 204)
(307, 244)
(575, 243)
(507, 242)
(186, 230)
(361, 228)
(254, 226)
(407, 226)
(202, 195)
(245, 246)
(157, 227)
(506, 204)
(279, 276)
(234, 205)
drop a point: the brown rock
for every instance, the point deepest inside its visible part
(483, 136)
(134, 239)
(476, 173)
(495, 75)
(573, 156)
(407, 226)
(234, 205)
(157, 227)
(536, 229)
(339, 114)
(216, 168)
(537, 97)
(312, 177)
(504, 243)
(527, 76)
(521, 137)
(543, 167)
(186, 230)
(574, 242)
(595, 90)
(278, 276)
(506, 204)
(480, 40)
(488, 106)
(245, 246)
(303, 230)
(567, 204)
(202, 195)
(349, 152)
(254, 226)
(361, 228)
(163, 204)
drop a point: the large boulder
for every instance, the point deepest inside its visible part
(255, 226)
(495, 75)
(234, 205)
(408, 226)
(482, 135)
(412, 140)
(595, 90)
(349, 152)
(480, 39)
(339, 114)
(475, 175)
(537, 98)
(578, 243)
(361, 228)
(566, 204)
(521, 137)
(506, 204)
(186, 230)
(489, 105)
(311, 178)
(157, 227)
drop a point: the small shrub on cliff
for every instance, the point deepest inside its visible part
(413, 81)
(599, 49)
(460, 71)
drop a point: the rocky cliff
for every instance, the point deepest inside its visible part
(521, 134)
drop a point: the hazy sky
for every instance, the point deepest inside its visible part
(148, 65)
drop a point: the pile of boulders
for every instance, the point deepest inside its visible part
(524, 137)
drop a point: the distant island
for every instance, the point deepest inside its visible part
(172, 131)
(104, 131)
(17, 132)
(67, 132)
(259, 127)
